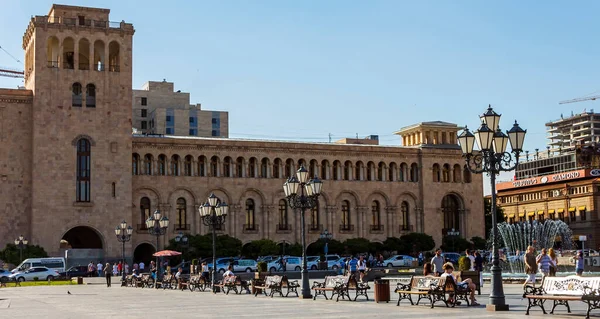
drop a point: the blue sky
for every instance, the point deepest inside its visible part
(304, 69)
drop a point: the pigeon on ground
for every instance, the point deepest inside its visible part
(68, 292)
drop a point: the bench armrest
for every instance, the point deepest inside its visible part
(402, 287)
(318, 285)
(531, 291)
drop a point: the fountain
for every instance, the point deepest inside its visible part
(516, 237)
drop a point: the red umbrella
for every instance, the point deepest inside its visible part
(166, 253)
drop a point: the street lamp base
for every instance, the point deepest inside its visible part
(305, 297)
(490, 307)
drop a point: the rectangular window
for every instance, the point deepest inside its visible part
(193, 132)
(192, 120)
(214, 121)
(169, 118)
(215, 133)
(572, 216)
(144, 101)
(144, 113)
(144, 125)
(169, 130)
(582, 215)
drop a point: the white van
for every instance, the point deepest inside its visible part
(56, 263)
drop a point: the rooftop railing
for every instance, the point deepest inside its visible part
(80, 22)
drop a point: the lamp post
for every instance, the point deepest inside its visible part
(492, 158)
(157, 226)
(182, 241)
(21, 242)
(303, 194)
(326, 236)
(453, 233)
(213, 214)
(123, 233)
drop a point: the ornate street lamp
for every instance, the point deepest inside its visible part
(123, 233)
(182, 242)
(157, 226)
(305, 199)
(326, 236)
(213, 214)
(492, 158)
(21, 242)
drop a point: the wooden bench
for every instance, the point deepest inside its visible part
(473, 275)
(291, 286)
(199, 282)
(232, 283)
(561, 290)
(272, 283)
(425, 287)
(169, 281)
(336, 284)
(457, 292)
(361, 288)
(183, 282)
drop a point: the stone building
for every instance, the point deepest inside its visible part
(71, 170)
(158, 109)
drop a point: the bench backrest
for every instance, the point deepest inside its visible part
(273, 280)
(332, 281)
(570, 285)
(426, 282)
(230, 280)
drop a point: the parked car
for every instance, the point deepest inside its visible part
(266, 259)
(399, 261)
(222, 262)
(42, 273)
(332, 261)
(4, 274)
(75, 271)
(312, 262)
(292, 263)
(244, 265)
(451, 257)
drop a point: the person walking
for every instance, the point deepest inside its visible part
(438, 261)
(107, 274)
(141, 265)
(90, 269)
(479, 267)
(362, 267)
(99, 268)
(544, 262)
(554, 262)
(471, 256)
(531, 267)
(579, 263)
(115, 269)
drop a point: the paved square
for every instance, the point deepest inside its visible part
(98, 301)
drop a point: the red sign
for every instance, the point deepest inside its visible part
(546, 179)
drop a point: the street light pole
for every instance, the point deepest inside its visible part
(307, 199)
(21, 242)
(123, 233)
(157, 226)
(326, 236)
(182, 241)
(453, 233)
(492, 158)
(213, 214)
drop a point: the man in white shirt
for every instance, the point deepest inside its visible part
(141, 266)
(99, 268)
(471, 258)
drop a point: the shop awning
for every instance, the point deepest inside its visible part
(521, 214)
(560, 210)
(550, 211)
(581, 208)
(571, 209)
(540, 212)
(530, 213)
(511, 215)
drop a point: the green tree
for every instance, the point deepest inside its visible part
(487, 208)
(201, 246)
(262, 247)
(393, 244)
(455, 244)
(479, 243)
(10, 253)
(413, 243)
(357, 245)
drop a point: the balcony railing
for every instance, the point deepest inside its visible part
(317, 228)
(53, 64)
(80, 22)
(68, 65)
(141, 229)
(406, 228)
(376, 228)
(250, 228)
(178, 227)
(84, 66)
(284, 228)
(114, 68)
(98, 67)
(346, 228)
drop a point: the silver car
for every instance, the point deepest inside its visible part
(42, 273)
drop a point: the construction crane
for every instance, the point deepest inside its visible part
(581, 99)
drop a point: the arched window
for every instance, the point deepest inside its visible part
(456, 172)
(283, 215)
(162, 165)
(175, 165)
(145, 210)
(77, 95)
(336, 170)
(404, 221)
(403, 172)
(250, 212)
(187, 165)
(135, 164)
(450, 208)
(84, 54)
(314, 217)
(347, 170)
(83, 170)
(214, 166)
(252, 168)
(202, 165)
(99, 60)
(312, 169)
(53, 52)
(380, 170)
(114, 57)
(264, 168)
(392, 172)
(370, 171)
(68, 53)
(324, 169)
(466, 175)
(227, 166)
(345, 216)
(240, 166)
(446, 173)
(90, 95)
(289, 168)
(376, 216)
(277, 168)
(436, 173)
(414, 172)
(148, 164)
(358, 171)
(181, 222)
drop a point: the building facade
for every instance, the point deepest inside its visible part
(158, 109)
(71, 170)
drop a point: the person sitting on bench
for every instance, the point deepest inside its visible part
(467, 283)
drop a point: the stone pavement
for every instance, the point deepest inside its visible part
(98, 301)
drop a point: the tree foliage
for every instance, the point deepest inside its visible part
(479, 243)
(416, 242)
(455, 244)
(487, 209)
(355, 246)
(10, 253)
(261, 247)
(200, 246)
